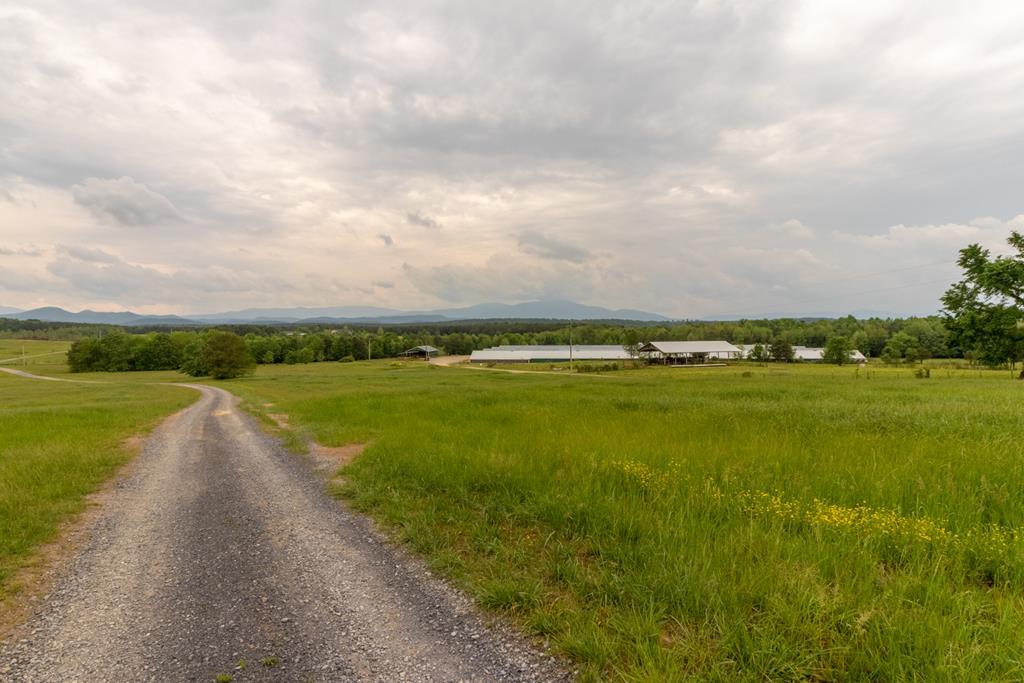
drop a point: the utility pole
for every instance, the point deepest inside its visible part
(369, 348)
(571, 364)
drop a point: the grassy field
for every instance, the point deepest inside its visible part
(37, 354)
(747, 523)
(741, 524)
(58, 442)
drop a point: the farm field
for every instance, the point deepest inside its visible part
(39, 354)
(58, 442)
(743, 523)
(752, 522)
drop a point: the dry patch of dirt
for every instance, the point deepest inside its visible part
(448, 361)
(336, 456)
(329, 459)
(280, 419)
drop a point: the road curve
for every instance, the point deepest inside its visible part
(221, 547)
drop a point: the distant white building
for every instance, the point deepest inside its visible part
(550, 353)
(807, 354)
(688, 352)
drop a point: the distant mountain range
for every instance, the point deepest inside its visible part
(556, 309)
(860, 314)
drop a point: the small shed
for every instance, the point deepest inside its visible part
(424, 352)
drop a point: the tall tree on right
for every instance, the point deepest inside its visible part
(984, 312)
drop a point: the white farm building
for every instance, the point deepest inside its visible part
(807, 354)
(550, 353)
(688, 352)
(666, 353)
(813, 354)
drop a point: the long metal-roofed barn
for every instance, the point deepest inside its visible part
(807, 354)
(813, 354)
(688, 352)
(549, 353)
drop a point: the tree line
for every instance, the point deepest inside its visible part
(115, 350)
(982, 320)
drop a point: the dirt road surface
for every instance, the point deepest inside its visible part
(29, 375)
(220, 548)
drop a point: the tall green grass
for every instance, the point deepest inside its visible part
(58, 442)
(738, 524)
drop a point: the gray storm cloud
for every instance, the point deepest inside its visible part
(415, 218)
(541, 245)
(692, 158)
(124, 201)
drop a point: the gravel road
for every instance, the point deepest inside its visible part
(221, 547)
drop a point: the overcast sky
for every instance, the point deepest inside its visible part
(690, 158)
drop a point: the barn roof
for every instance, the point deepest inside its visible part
(808, 353)
(817, 353)
(552, 353)
(690, 347)
(424, 348)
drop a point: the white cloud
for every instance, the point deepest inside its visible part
(794, 228)
(669, 156)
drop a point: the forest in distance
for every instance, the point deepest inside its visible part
(113, 349)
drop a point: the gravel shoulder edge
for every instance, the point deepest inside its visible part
(325, 467)
(49, 562)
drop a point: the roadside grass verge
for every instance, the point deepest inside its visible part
(748, 523)
(58, 443)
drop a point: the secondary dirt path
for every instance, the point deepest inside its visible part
(221, 547)
(29, 375)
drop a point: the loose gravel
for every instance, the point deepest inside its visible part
(222, 555)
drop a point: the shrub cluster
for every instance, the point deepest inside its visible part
(213, 353)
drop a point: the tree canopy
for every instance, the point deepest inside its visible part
(985, 310)
(837, 350)
(221, 355)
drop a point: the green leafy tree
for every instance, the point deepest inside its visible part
(781, 351)
(117, 351)
(900, 343)
(838, 350)
(890, 356)
(984, 311)
(85, 355)
(631, 342)
(221, 355)
(759, 353)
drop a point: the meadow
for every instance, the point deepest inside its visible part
(15, 353)
(58, 442)
(748, 523)
(742, 523)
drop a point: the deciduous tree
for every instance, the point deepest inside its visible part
(984, 311)
(837, 350)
